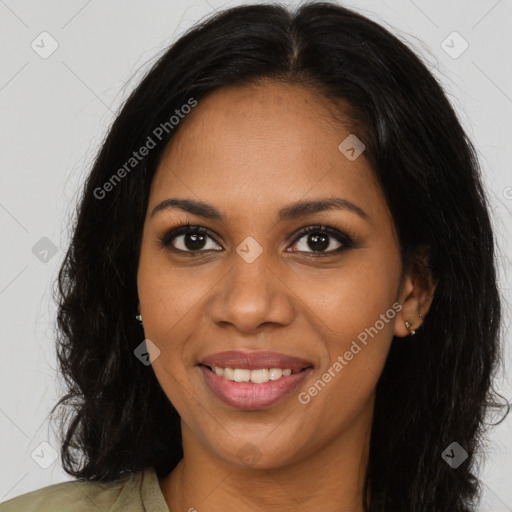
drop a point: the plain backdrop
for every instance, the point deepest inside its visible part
(55, 109)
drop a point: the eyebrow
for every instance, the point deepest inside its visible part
(292, 211)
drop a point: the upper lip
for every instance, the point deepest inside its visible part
(254, 360)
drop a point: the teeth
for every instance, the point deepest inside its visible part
(229, 373)
(257, 376)
(242, 375)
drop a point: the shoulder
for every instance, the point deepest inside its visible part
(129, 493)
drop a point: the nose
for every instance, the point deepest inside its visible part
(252, 295)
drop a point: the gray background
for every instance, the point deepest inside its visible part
(55, 112)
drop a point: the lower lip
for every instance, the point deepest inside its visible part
(250, 395)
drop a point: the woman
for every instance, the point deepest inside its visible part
(291, 210)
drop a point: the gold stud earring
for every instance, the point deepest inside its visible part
(409, 325)
(139, 318)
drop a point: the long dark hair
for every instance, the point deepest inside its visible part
(435, 388)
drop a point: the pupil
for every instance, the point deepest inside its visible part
(194, 241)
(318, 242)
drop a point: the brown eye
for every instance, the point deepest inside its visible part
(322, 240)
(189, 239)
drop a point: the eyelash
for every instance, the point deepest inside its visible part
(347, 243)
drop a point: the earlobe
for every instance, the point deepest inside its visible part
(139, 315)
(409, 320)
(415, 305)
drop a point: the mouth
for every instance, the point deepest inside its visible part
(251, 381)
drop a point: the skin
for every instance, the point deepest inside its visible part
(249, 152)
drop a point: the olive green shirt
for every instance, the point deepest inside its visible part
(134, 493)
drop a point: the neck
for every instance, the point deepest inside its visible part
(330, 479)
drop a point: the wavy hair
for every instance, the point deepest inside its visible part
(435, 389)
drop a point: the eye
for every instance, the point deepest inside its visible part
(194, 240)
(189, 239)
(322, 240)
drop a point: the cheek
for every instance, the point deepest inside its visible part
(352, 297)
(171, 297)
(173, 301)
(354, 317)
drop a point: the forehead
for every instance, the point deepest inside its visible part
(279, 115)
(273, 143)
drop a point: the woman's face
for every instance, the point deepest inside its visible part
(253, 283)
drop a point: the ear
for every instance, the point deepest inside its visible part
(415, 295)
